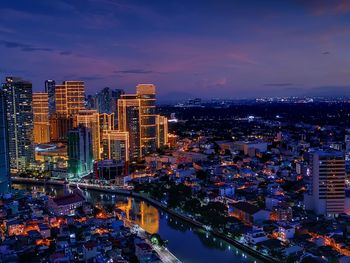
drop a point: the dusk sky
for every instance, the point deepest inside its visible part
(188, 48)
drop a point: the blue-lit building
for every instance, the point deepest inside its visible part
(80, 157)
(4, 155)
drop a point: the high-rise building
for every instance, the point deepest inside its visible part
(50, 90)
(18, 98)
(162, 131)
(115, 145)
(80, 158)
(41, 117)
(326, 194)
(91, 120)
(146, 93)
(4, 153)
(70, 97)
(91, 102)
(136, 115)
(60, 124)
(107, 100)
(106, 122)
(129, 121)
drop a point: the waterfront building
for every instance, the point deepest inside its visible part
(112, 170)
(326, 194)
(248, 213)
(4, 153)
(19, 114)
(115, 145)
(67, 204)
(41, 117)
(136, 115)
(80, 156)
(50, 90)
(90, 119)
(70, 97)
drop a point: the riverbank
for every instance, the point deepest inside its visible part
(120, 191)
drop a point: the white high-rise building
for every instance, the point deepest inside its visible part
(326, 194)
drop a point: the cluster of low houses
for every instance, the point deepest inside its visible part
(38, 228)
(241, 179)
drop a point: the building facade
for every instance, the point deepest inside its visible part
(50, 90)
(162, 131)
(70, 97)
(60, 124)
(90, 119)
(18, 99)
(4, 153)
(80, 156)
(41, 117)
(115, 145)
(107, 100)
(326, 193)
(136, 115)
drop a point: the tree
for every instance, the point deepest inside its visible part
(202, 175)
(192, 205)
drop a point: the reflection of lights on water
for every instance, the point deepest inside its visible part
(229, 247)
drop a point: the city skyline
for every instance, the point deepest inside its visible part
(234, 49)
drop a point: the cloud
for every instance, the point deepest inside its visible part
(65, 53)
(278, 84)
(134, 71)
(326, 7)
(30, 48)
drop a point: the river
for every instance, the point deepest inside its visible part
(189, 244)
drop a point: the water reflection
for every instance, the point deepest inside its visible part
(139, 213)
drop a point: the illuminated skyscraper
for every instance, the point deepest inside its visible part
(50, 90)
(162, 131)
(18, 99)
(327, 192)
(91, 120)
(136, 115)
(115, 145)
(4, 153)
(70, 97)
(146, 93)
(80, 159)
(41, 117)
(129, 121)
